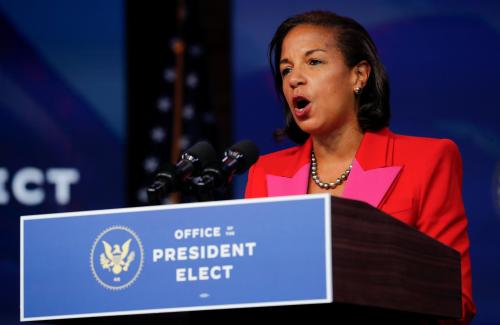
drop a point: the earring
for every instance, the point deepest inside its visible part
(358, 90)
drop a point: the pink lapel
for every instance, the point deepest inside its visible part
(372, 171)
(291, 178)
(371, 185)
(295, 185)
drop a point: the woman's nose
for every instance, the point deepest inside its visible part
(296, 79)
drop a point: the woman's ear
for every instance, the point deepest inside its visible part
(361, 73)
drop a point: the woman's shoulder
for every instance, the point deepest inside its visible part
(300, 152)
(282, 154)
(285, 161)
(425, 143)
(422, 149)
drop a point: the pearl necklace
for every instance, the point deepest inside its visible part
(326, 186)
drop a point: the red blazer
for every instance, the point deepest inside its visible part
(416, 180)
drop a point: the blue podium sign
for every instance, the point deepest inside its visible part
(185, 257)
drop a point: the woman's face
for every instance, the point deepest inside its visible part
(317, 84)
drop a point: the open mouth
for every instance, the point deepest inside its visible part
(300, 102)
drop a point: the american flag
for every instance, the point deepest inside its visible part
(169, 100)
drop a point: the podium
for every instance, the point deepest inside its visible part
(240, 261)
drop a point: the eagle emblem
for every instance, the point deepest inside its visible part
(116, 258)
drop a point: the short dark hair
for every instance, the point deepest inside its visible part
(356, 45)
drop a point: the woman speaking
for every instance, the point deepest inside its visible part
(336, 95)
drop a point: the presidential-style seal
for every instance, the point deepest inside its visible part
(116, 257)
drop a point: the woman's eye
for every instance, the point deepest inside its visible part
(285, 71)
(314, 62)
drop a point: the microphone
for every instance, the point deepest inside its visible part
(237, 159)
(171, 179)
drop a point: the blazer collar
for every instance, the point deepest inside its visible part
(373, 173)
(376, 149)
(291, 178)
(370, 180)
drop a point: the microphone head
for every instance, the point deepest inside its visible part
(204, 154)
(245, 152)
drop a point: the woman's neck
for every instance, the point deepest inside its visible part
(338, 146)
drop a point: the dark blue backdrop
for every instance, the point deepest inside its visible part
(441, 57)
(62, 106)
(61, 118)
